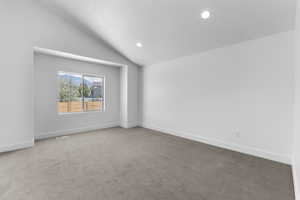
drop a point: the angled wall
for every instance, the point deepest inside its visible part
(25, 24)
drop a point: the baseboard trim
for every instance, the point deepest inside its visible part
(17, 146)
(74, 131)
(296, 184)
(129, 124)
(231, 146)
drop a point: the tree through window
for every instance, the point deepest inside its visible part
(80, 92)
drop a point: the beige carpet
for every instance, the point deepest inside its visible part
(138, 164)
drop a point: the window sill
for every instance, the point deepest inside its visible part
(83, 112)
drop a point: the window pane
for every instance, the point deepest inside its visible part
(75, 93)
(93, 93)
(70, 96)
(64, 92)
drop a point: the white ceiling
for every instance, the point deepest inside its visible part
(173, 28)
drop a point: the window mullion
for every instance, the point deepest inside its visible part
(83, 106)
(69, 102)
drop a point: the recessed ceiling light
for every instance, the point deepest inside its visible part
(205, 14)
(138, 44)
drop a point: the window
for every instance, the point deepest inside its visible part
(80, 92)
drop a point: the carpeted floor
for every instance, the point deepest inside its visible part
(138, 164)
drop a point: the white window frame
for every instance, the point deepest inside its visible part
(82, 74)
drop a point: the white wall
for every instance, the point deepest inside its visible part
(25, 24)
(48, 122)
(239, 97)
(296, 153)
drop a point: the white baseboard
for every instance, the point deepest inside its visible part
(129, 124)
(76, 130)
(17, 146)
(286, 159)
(296, 184)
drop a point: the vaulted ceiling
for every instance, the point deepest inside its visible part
(174, 28)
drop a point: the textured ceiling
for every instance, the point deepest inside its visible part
(173, 28)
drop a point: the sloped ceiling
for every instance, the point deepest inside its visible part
(173, 28)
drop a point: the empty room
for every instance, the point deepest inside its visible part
(150, 100)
